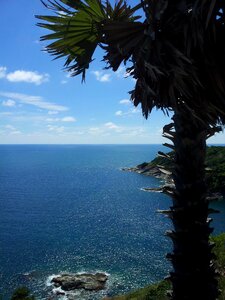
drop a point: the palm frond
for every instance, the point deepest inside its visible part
(182, 58)
(80, 26)
(121, 41)
(76, 32)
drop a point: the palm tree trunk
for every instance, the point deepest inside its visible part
(193, 277)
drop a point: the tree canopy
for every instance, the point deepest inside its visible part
(176, 54)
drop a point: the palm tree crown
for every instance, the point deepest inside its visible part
(176, 54)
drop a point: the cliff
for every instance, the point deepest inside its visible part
(160, 167)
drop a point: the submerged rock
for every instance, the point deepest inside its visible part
(87, 281)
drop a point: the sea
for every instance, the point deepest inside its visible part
(70, 208)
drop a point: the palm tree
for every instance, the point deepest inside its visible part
(177, 56)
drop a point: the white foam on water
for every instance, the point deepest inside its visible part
(67, 294)
(92, 272)
(49, 279)
(57, 291)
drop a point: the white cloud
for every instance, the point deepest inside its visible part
(119, 113)
(51, 120)
(24, 76)
(94, 129)
(111, 125)
(105, 129)
(9, 103)
(6, 113)
(10, 127)
(64, 81)
(100, 76)
(127, 113)
(3, 72)
(135, 110)
(125, 101)
(105, 78)
(53, 112)
(57, 129)
(68, 119)
(138, 131)
(64, 119)
(16, 132)
(27, 76)
(35, 101)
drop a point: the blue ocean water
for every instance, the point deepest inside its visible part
(69, 208)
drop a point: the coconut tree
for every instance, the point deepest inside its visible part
(177, 56)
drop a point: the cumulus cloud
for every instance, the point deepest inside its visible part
(134, 131)
(111, 125)
(111, 129)
(9, 103)
(127, 113)
(68, 119)
(101, 76)
(52, 120)
(53, 112)
(24, 76)
(125, 101)
(119, 113)
(27, 76)
(64, 119)
(35, 101)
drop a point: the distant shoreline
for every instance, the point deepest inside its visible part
(160, 168)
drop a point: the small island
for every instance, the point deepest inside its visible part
(160, 167)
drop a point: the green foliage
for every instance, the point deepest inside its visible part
(215, 160)
(152, 292)
(215, 166)
(219, 251)
(22, 293)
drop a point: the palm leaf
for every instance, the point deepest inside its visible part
(76, 34)
(82, 27)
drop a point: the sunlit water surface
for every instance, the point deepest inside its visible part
(69, 208)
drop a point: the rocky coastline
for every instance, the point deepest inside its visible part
(158, 171)
(69, 282)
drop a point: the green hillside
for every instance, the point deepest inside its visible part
(215, 166)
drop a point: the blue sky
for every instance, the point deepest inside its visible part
(40, 103)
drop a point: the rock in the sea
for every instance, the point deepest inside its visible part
(87, 281)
